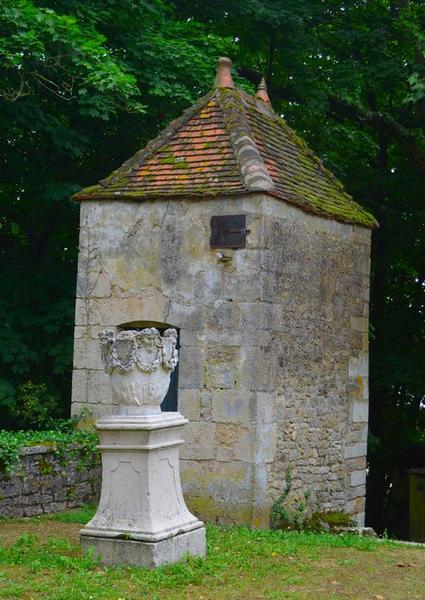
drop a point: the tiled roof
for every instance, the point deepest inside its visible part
(231, 143)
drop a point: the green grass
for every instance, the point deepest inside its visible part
(40, 559)
(80, 515)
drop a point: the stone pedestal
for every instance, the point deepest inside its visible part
(142, 518)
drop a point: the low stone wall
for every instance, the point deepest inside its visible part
(43, 484)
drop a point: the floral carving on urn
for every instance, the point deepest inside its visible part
(139, 364)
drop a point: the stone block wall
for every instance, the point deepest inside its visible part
(41, 484)
(318, 359)
(273, 360)
(151, 263)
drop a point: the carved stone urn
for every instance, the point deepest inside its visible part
(142, 518)
(139, 364)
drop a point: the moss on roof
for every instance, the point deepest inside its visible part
(231, 143)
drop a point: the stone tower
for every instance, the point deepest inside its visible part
(229, 229)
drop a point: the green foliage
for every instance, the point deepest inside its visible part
(45, 467)
(34, 403)
(297, 514)
(83, 85)
(80, 515)
(289, 513)
(83, 514)
(328, 520)
(240, 562)
(53, 554)
(66, 443)
(44, 50)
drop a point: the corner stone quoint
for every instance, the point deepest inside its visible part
(272, 317)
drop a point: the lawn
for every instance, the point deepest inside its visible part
(40, 559)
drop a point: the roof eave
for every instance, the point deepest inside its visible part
(369, 222)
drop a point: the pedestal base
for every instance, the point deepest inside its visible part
(142, 518)
(112, 551)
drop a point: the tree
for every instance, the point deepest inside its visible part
(82, 87)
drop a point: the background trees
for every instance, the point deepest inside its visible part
(83, 85)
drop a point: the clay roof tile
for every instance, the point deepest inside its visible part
(231, 143)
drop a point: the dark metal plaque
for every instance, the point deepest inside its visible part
(228, 231)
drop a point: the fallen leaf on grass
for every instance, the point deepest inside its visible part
(405, 565)
(378, 597)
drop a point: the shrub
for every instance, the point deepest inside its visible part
(297, 513)
(34, 403)
(289, 514)
(67, 442)
(328, 520)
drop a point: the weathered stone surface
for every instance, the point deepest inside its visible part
(99, 390)
(274, 367)
(191, 368)
(264, 408)
(141, 498)
(220, 491)
(232, 406)
(199, 438)
(360, 412)
(265, 443)
(190, 404)
(116, 311)
(42, 484)
(355, 451)
(112, 552)
(139, 363)
(221, 367)
(358, 478)
(233, 442)
(86, 354)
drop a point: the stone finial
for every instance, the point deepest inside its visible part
(262, 93)
(139, 364)
(223, 78)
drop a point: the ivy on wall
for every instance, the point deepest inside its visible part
(74, 445)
